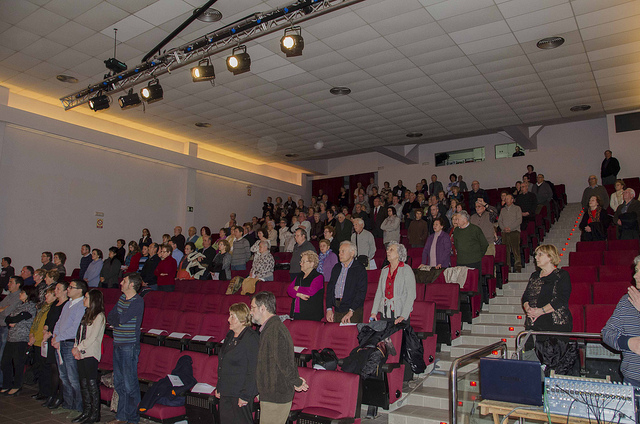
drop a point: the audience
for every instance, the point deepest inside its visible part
(41, 369)
(437, 249)
(307, 289)
(27, 274)
(94, 270)
(55, 400)
(594, 190)
(166, 270)
(347, 288)
(7, 306)
(418, 230)
(470, 242)
(391, 226)
(46, 258)
(301, 245)
(609, 168)
(327, 258)
(616, 197)
(59, 260)
(85, 251)
(263, 262)
(145, 240)
(241, 251)
(364, 242)
(595, 221)
(482, 219)
(110, 269)
(396, 287)
(6, 273)
(509, 222)
(627, 216)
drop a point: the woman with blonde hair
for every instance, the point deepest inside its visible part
(237, 361)
(307, 289)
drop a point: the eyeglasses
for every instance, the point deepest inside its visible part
(71, 287)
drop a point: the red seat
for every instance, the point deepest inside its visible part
(163, 412)
(371, 290)
(240, 273)
(149, 317)
(305, 333)
(577, 313)
(609, 292)
(590, 258)
(159, 362)
(580, 294)
(488, 262)
(189, 322)
(278, 288)
(615, 273)
(228, 300)
(420, 288)
(165, 320)
(188, 286)
(619, 257)
(281, 275)
(624, 245)
(283, 305)
(211, 304)
(154, 299)
(300, 398)
(366, 313)
(591, 246)
(106, 360)
(597, 316)
(213, 287)
(199, 365)
(373, 275)
(342, 339)
(172, 301)
(415, 255)
(191, 302)
(325, 401)
(282, 257)
(582, 274)
(215, 325)
(448, 316)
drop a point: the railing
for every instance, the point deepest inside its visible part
(461, 361)
(520, 335)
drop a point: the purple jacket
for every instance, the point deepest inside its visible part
(443, 250)
(329, 262)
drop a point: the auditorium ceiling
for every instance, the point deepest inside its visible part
(445, 69)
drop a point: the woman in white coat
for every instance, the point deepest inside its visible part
(391, 226)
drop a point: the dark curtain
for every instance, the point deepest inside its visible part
(359, 178)
(329, 186)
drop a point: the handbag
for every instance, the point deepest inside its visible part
(559, 355)
(324, 359)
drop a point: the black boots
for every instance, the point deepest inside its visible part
(86, 402)
(55, 403)
(94, 392)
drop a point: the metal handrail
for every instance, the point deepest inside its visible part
(555, 333)
(461, 361)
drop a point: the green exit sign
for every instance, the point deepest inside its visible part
(189, 208)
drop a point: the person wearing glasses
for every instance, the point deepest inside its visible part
(64, 337)
(307, 289)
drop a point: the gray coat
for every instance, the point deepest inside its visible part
(391, 229)
(365, 242)
(404, 292)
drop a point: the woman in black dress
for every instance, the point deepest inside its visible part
(546, 298)
(307, 289)
(237, 362)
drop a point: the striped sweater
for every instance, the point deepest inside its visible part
(622, 326)
(126, 318)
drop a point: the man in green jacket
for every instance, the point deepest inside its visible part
(470, 242)
(277, 373)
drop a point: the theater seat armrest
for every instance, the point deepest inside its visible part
(448, 311)
(304, 357)
(390, 367)
(423, 335)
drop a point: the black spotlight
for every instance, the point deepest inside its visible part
(203, 72)
(152, 92)
(292, 42)
(129, 100)
(239, 63)
(99, 102)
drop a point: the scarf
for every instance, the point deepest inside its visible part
(321, 259)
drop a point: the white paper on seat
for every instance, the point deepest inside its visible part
(342, 324)
(175, 380)
(44, 349)
(205, 388)
(298, 349)
(202, 338)
(178, 335)
(155, 331)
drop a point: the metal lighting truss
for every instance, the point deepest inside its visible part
(243, 30)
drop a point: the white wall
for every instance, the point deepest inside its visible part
(566, 154)
(625, 146)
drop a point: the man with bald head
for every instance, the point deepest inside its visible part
(594, 190)
(178, 238)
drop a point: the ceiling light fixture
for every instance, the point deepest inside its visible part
(203, 124)
(99, 102)
(239, 63)
(414, 134)
(292, 155)
(209, 15)
(203, 72)
(580, 108)
(67, 78)
(550, 43)
(292, 42)
(129, 100)
(340, 91)
(152, 92)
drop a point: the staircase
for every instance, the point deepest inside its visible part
(503, 318)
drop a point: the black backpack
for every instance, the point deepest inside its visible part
(326, 358)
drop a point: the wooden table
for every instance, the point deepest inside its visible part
(498, 409)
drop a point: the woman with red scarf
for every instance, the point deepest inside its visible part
(396, 287)
(595, 221)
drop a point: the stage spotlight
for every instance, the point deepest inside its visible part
(99, 102)
(203, 72)
(239, 63)
(292, 42)
(129, 100)
(152, 92)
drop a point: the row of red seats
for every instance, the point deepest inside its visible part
(591, 318)
(603, 257)
(601, 246)
(321, 400)
(590, 274)
(608, 292)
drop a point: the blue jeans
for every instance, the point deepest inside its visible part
(68, 370)
(125, 381)
(4, 332)
(239, 267)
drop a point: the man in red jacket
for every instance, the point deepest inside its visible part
(166, 269)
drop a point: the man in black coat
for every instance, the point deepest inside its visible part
(475, 194)
(347, 287)
(627, 216)
(147, 272)
(609, 168)
(378, 215)
(435, 186)
(343, 230)
(178, 238)
(527, 202)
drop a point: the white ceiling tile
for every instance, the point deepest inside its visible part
(104, 15)
(542, 31)
(163, 10)
(381, 10)
(497, 42)
(134, 6)
(513, 8)
(369, 47)
(451, 65)
(541, 17)
(70, 8)
(94, 45)
(351, 37)
(561, 62)
(128, 28)
(496, 54)
(415, 34)
(609, 14)
(42, 22)
(282, 72)
(393, 22)
(379, 58)
(619, 26)
(335, 70)
(480, 32)
(69, 34)
(335, 25)
(5, 53)
(449, 8)
(426, 46)
(471, 19)
(620, 50)
(20, 62)
(16, 38)
(43, 49)
(14, 11)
